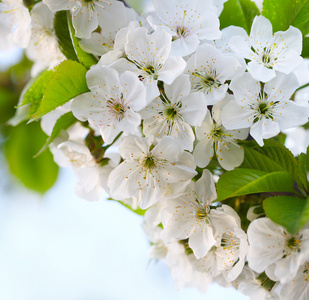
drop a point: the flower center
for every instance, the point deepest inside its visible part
(170, 112)
(294, 244)
(149, 163)
(117, 108)
(206, 81)
(181, 30)
(229, 241)
(263, 107)
(201, 212)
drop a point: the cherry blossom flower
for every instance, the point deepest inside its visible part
(174, 111)
(16, 16)
(148, 170)
(116, 17)
(209, 69)
(275, 251)
(194, 217)
(266, 109)
(188, 22)
(267, 52)
(213, 137)
(43, 48)
(87, 14)
(227, 256)
(255, 286)
(112, 102)
(148, 56)
(69, 149)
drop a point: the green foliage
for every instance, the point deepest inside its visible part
(7, 102)
(284, 13)
(62, 32)
(273, 157)
(240, 182)
(239, 13)
(290, 212)
(85, 58)
(24, 141)
(64, 122)
(34, 94)
(67, 82)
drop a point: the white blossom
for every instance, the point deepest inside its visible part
(69, 149)
(86, 14)
(194, 217)
(43, 48)
(266, 109)
(147, 170)
(188, 21)
(209, 69)
(267, 52)
(16, 16)
(257, 287)
(112, 103)
(148, 56)
(274, 250)
(174, 111)
(213, 137)
(116, 17)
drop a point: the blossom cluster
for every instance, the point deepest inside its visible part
(172, 92)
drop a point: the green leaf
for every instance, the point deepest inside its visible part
(63, 35)
(272, 157)
(307, 160)
(85, 58)
(35, 92)
(64, 122)
(290, 212)
(24, 141)
(67, 82)
(240, 182)
(302, 166)
(284, 13)
(239, 13)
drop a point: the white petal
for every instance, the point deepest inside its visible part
(180, 88)
(205, 188)
(264, 129)
(194, 109)
(168, 148)
(201, 241)
(235, 116)
(84, 21)
(203, 152)
(230, 155)
(104, 81)
(261, 30)
(184, 46)
(173, 67)
(133, 146)
(80, 106)
(60, 4)
(260, 72)
(134, 91)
